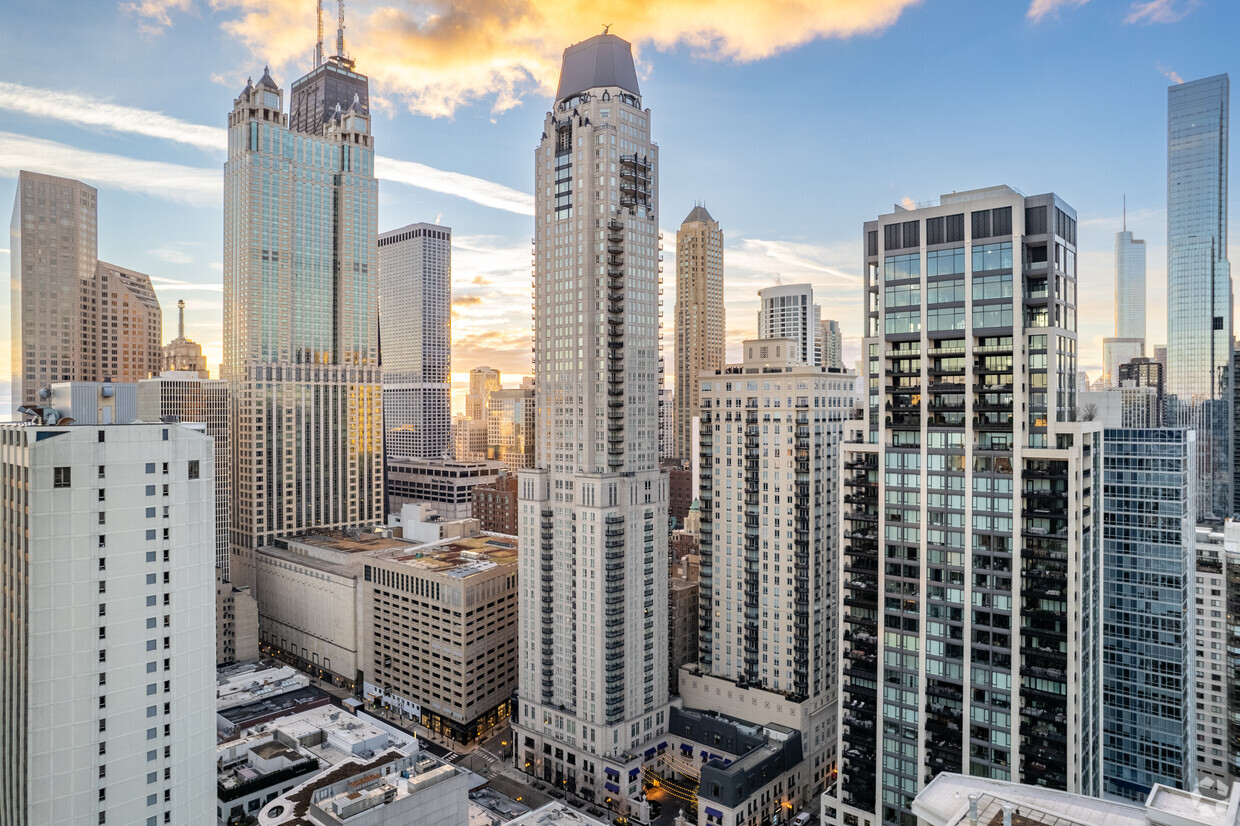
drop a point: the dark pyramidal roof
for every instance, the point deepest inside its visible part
(603, 60)
(699, 213)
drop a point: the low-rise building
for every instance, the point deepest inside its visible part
(444, 483)
(236, 623)
(391, 788)
(961, 800)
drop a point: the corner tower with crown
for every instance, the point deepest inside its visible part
(301, 350)
(594, 698)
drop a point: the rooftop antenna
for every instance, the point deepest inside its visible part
(1125, 213)
(318, 45)
(181, 319)
(340, 28)
(607, 28)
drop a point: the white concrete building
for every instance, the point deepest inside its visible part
(108, 625)
(415, 325)
(445, 484)
(594, 509)
(771, 430)
(1218, 564)
(789, 311)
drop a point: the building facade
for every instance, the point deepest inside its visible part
(1199, 292)
(108, 625)
(510, 427)
(1216, 598)
(970, 538)
(700, 318)
(771, 429)
(832, 344)
(1130, 287)
(594, 507)
(456, 672)
(1148, 617)
(415, 322)
(495, 506)
(445, 484)
(301, 308)
(789, 311)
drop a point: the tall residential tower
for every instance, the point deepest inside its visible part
(593, 510)
(415, 323)
(970, 552)
(1199, 293)
(699, 318)
(789, 311)
(300, 315)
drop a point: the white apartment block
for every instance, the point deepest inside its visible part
(108, 707)
(594, 509)
(789, 311)
(771, 430)
(1218, 563)
(415, 325)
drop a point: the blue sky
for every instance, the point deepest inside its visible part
(794, 120)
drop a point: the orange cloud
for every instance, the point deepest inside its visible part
(441, 54)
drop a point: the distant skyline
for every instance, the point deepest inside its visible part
(817, 104)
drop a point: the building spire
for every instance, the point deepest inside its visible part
(181, 319)
(340, 28)
(1125, 213)
(318, 45)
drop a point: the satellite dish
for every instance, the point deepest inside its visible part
(45, 393)
(66, 420)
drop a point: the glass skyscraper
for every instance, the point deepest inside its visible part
(301, 350)
(1148, 565)
(1199, 298)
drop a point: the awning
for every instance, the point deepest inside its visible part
(610, 772)
(649, 753)
(686, 748)
(633, 773)
(714, 812)
(612, 787)
(663, 745)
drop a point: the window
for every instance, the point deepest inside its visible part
(62, 477)
(150, 467)
(992, 257)
(992, 286)
(193, 468)
(902, 266)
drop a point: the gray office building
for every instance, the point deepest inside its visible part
(1148, 565)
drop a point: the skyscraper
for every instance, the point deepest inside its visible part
(593, 522)
(1129, 339)
(181, 354)
(415, 323)
(300, 316)
(74, 317)
(832, 344)
(53, 246)
(108, 625)
(970, 558)
(789, 311)
(1148, 618)
(482, 381)
(1199, 294)
(699, 317)
(770, 545)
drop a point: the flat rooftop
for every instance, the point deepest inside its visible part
(945, 802)
(340, 541)
(459, 557)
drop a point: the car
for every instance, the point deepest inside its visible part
(801, 819)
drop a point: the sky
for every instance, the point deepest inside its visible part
(793, 121)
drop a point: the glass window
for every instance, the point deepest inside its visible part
(944, 292)
(945, 262)
(946, 318)
(992, 315)
(904, 295)
(992, 286)
(903, 321)
(902, 266)
(992, 257)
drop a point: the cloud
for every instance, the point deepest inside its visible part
(78, 109)
(466, 300)
(1039, 9)
(176, 254)
(160, 283)
(438, 55)
(86, 111)
(478, 190)
(185, 184)
(1170, 74)
(1160, 11)
(154, 14)
(479, 280)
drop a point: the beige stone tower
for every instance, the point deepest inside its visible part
(699, 317)
(183, 354)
